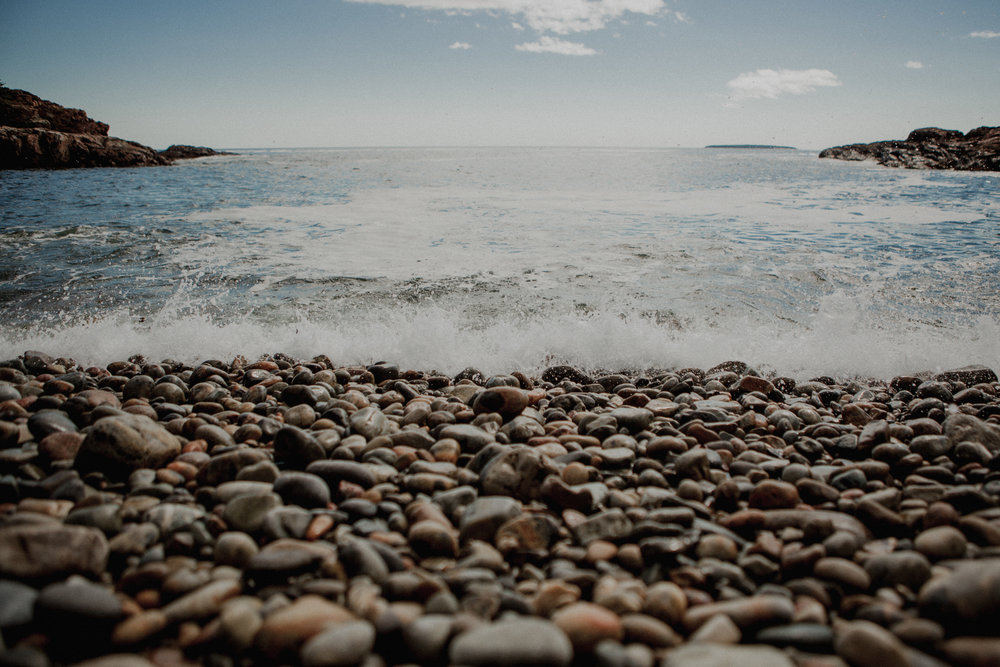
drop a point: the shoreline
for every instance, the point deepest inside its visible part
(247, 512)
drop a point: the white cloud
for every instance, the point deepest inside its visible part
(561, 17)
(464, 46)
(549, 44)
(985, 34)
(913, 64)
(771, 83)
(516, 26)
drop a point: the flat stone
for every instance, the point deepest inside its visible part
(842, 571)
(339, 645)
(746, 612)
(866, 644)
(720, 655)
(525, 641)
(42, 551)
(286, 629)
(246, 513)
(202, 602)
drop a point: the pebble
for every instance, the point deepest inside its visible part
(298, 512)
(515, 642)
(339, 645)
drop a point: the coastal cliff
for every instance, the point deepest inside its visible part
(38, 134)
(930, 148)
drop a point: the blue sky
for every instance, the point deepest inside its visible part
(808, 73)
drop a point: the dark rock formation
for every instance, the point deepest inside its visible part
(38, 134)
(30, 148)
(930, 148)
(184, 152)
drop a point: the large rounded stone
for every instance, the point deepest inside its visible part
(119, 444)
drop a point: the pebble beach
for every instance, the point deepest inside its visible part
(296, 511)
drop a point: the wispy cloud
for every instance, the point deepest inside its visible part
(464, 46)
(913, 64)
(549, 44)
(562, 17)
(770, 83)
(985, 34)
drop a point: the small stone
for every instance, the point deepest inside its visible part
(239, 622)
(960, 427)
(515, 642)
(586, 623)
(972, 650)
(427, 637)
(718, 655)
(900, 568)
(941, 543)
(773, 494)
(666, 601)
(43, 551)
(340, 644)
(287, 629)
(246, 513)
(719, 629)
(202, 602)
(842, 571)
(744, 612)
(481, 519)
(650, 631)
(866, 644)
(119, 444)
(303, 489)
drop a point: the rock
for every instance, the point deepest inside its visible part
(970, 375)
(202, 602)
(481, 519)
(427, 637)
(287, 629)
(865, 644)
(44, 551)
(744, 612)
(586, 624)
(961, 427)
(842, 571)
(906, 568)
(518, 472)
(303, 489)
(119, 444)
(930, 148)
(772, 494)
(508, 401)
(340, 644)
(719, 629)
(718, 655)
(966, 597)
(973, 651)
(514, 642)
(941, 543)
(185, 152)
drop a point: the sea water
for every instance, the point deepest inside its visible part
(508, 259)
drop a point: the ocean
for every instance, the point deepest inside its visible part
(508, 259)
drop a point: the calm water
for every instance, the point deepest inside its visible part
(508, 259)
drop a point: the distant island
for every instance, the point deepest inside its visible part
(753, 146)
(38, 134)
(930, 148)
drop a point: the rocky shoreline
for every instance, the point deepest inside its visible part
(289, 511)
(38, 134)
(930, 148)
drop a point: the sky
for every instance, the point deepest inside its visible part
(632, 73)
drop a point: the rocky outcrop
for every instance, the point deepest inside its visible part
(32, 148)
(38, 134)
(184, 152)
(930, 148)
